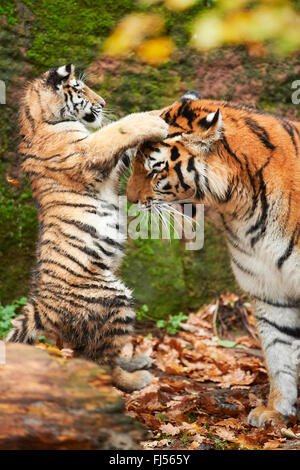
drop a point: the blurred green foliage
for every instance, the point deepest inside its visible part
(7, 313)
(172, 323)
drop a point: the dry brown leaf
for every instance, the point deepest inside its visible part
(170, 429)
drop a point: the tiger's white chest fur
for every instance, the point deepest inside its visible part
(257, 268)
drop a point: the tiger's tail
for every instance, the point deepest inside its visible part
(24, 327)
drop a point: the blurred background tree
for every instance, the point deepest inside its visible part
(142, 55)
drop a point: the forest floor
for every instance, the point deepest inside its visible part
(206, 379)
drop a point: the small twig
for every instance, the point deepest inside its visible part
(215, 318)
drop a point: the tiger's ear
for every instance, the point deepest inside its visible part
(213, 121)
(206, 131)
(57, 75)
(191, 95)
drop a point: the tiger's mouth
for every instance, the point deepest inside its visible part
(94, 117)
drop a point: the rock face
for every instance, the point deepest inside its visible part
(49, 402)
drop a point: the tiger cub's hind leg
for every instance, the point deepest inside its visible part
(279, 330)
(26, 327)
(126, 373)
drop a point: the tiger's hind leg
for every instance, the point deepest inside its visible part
(26, 328)
(279, 328)
(106, 344)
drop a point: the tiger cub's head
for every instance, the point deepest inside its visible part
(187, 165)
(58, 95)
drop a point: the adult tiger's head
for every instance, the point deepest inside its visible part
(61, 96)
(223, 155)
(189, 164)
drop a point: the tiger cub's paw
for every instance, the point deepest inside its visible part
(137, 363)
(130, 381)
(144, 126)
(260, 415)
(156, 128)
(143, 378)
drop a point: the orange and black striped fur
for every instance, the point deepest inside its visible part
(244, 166)
(75, 295)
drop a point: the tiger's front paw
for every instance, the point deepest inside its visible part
(260, 415)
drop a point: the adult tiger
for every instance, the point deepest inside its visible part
(245, 166)
(75, 294)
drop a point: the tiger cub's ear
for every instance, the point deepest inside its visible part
(57, 75)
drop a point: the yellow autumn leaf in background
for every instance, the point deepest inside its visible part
(132, 30)
(207, 32)
(156, 51)
(276, 22)
(179, 5)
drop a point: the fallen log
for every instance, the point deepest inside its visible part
(50, 402)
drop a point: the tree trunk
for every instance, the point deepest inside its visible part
(49, 402)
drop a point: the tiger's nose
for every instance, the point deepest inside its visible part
(101, 102)
(132, 194)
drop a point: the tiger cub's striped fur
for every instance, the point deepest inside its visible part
(245, 167)
(75, 295)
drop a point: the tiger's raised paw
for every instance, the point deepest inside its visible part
(144, 126)
(260, 415)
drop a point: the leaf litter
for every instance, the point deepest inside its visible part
(206, 379)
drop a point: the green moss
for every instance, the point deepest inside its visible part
(18, 231)
(8, 9)
(71, 31)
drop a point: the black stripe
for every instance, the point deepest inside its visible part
(14, 337)
(106, 252)
(67, 255)
(88, 251)
(191, 167)
(115, 332)
(277, 341)
(37, 319)
(242, 268)
(55, 203)
(289, 128)
(294, 332)
(174, 153)
(253, 186)
(53, 123)
(291, 305)
(289, 249)
(261, 222)
(177, 168)
(24, 332)
(230, 151)
(260, 132)
(89, 285)
(30, 118)
(62, 266)
(124, 321)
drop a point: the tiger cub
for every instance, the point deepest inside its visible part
(244, 166)
(75, 295)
